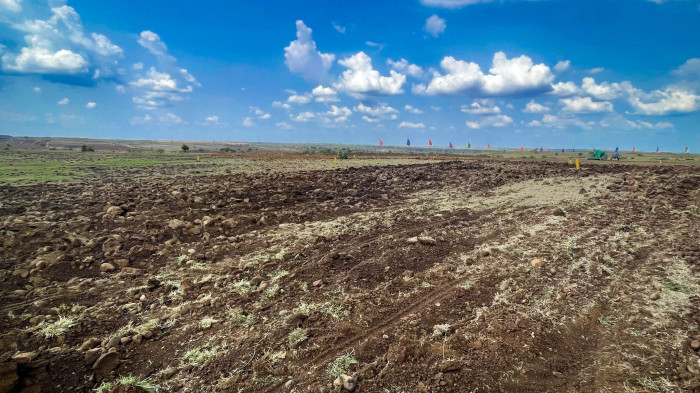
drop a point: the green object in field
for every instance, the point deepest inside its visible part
(598, 155)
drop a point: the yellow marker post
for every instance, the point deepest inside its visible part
(197, 158)
(570, 162)
(577, 164)
(335, 160)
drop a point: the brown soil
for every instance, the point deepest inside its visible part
(420, 273)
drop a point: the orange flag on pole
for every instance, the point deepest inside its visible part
(430, 142)
(488, 146)
(522, 149)
(634, 149)
(380, 142)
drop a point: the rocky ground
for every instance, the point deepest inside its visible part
(451, 276)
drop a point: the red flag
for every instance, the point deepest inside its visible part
(634, 149)
(488, 146)
(430, 142)
(549, 150)
(380, 142)
(522, 149)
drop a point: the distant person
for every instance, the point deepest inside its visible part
(617, 154)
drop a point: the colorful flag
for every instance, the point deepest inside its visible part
(657, 149)
(430, 142)
(541, 149)
(634, 149)
(380, 142)
(450, 145)
(549, 150)
(488, 146)
(563, 150)
(686, 149)
(469, 146)
(522, 149)
(408, 142)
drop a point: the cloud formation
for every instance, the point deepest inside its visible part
(302, 57)
(435, 26)
(506, 77)
(361, 79)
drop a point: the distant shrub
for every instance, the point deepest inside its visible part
(161, 151)
(184, 148)
(86, 148)
(344, 154)
(226, 150)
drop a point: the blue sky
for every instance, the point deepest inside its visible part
(551, 73)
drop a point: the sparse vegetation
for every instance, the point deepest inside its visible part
(342, 364)
(296, 337)
(58, 328)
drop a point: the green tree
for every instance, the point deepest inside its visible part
(184, 148)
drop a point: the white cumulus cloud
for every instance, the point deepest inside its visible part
(481, 107)
(562, 66)
(533, 107)
(361, 79)
(664, 102)
(435, 25)
(408, 124)
(564, 89)
(506, 77)
(64, 101)
(248, 122)
(405, 67)
(154, 44)
(90, 105)
(413, 110)
(11, 5)
(302, 57)
(585, 105)
(498, 121)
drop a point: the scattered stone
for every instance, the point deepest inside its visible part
(421, 388)
(317, 283)
(536, 262)
(106, 363)
(113, 342)
(111, 245)
(90, 343)
(107, 267)
(385, 197)
(412, 240)
(24, 357)
(122, 262)
(20, 273)
(345, 382)
(138, 338)
(92, 355)
(125, 340)
(351, 191)
(114, 211)
(695, 344)
(558, 374)
(176, 224)
(655, 296)
(427, 240)
(449, 366)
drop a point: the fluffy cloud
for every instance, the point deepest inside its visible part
(562, 66)
(435, 25)
(259, 113)
(59, 46)
(248, 122)
(361, 79)
(564, 89)
(284, 125)
(304, 117)
(213, 119)
(596, 70)
(90, 105)
(380, 111)
(339, 113)
(481, 107)
(490, 121)
(452, 3)
(552, 121)
(299, 99)
(302, 57)
(280, 104)
(154, 44)
(410, 109)
(159, 81)
(324, 94)
(664, 102)
(64, 101)
(585, 105)
(405, 67)
(11, 5)
(408, 124)
(605, 90)
(370, 119)
(506, 77)
(533, 107)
